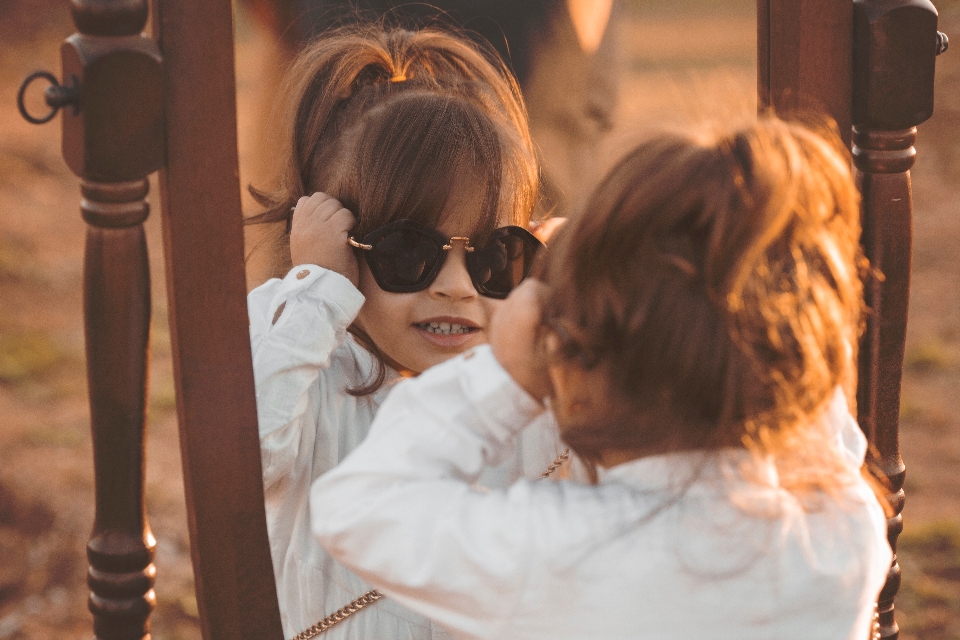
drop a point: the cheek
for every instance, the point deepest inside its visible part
(383, 314)
(385, 317)
(379, 306)
(367, 318)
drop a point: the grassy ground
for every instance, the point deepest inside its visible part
(684, 61)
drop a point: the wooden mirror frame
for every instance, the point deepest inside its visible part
(869, 64)
(169, 104)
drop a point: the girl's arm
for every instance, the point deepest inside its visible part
(296, 324)
(400, 510)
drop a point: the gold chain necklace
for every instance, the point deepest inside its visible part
(373, 595)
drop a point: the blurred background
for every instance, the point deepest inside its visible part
(659, 63)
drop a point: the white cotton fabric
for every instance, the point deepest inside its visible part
(303, 365)
(679, 546)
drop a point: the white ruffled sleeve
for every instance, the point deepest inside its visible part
(401, 510)
(295, 326)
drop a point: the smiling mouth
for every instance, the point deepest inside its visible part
(446, 328)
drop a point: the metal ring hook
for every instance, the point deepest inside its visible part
(56, 96)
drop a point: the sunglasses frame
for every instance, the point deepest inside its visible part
(444, 244)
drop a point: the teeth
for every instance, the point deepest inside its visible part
(445, 328)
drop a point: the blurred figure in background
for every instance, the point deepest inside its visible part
(565, 54)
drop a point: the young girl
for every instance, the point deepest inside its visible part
(699, 328)
(411, 176)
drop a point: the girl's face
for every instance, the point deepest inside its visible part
(418, 330)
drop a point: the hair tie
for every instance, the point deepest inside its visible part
(399, 77)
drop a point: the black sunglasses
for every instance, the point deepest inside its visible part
(406, 256)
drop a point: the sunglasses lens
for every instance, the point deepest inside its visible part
(499, 267)
(405, 258)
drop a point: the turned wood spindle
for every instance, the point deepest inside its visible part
(883, 160)
(117, 310)
(112, 140)
(895, 46)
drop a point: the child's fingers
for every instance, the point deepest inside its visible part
(309, 204)
(522, 311)
(527, 298)
(544, 229)
(513, 335)
(317, 208)
(319, 232)
(303, 211)
(343, 219)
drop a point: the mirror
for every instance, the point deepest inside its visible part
(658, 53)
(595, 76)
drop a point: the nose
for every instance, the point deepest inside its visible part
(454, 281)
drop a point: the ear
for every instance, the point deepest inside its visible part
(579, 395)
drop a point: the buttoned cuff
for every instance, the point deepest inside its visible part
(311, 281)
(505, 407)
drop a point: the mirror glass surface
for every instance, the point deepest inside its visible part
(597, 76)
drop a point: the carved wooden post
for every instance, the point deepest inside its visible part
(895, 45)
(803, 58)
(121, 109)
(117, 309)
(206, 289)
(112, 141)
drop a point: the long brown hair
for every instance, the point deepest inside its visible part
(717, 280)
(393, 123)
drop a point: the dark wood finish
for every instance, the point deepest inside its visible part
(117, 137)
(206, 286)
(869, 64)
(117, 311)
(894, 56)
(112, 142)
(804, 64)
(117, 133)
(887, 235)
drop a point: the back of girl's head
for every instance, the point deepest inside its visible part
(717, 279)
(393, 123)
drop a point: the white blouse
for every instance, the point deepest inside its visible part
(303, 365)
(679, 546)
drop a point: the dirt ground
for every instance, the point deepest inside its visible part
(682, 64)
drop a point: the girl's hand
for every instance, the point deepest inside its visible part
(513, 338)
(544, 229)
(318, 235)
